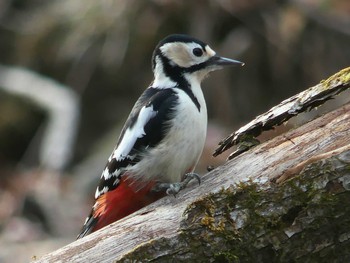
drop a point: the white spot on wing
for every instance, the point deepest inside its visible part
(103, 191)
(106, 175)
(132, 134)
(116, 181)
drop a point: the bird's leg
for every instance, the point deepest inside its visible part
(175, 188)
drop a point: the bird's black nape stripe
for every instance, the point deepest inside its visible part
(175, 73)
(193, 98)
(197, 67)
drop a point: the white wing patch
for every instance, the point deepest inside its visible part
(106, 174)
(103, 191)
(132, 134)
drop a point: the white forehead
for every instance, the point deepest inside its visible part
(210, 52)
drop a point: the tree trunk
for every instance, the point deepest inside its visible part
(240, 213)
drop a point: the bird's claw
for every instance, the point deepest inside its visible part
(175, 188)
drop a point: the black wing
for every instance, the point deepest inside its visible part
(145, 127)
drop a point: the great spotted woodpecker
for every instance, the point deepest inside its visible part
(164, 135)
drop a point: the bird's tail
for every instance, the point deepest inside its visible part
(118, 203)
(88, 226)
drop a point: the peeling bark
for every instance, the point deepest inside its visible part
(240, 214)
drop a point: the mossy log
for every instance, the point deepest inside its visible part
(286, 200)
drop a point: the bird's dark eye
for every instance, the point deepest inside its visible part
(197, 52)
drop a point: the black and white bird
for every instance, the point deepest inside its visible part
(164, 135)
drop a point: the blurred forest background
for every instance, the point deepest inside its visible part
(70, 71)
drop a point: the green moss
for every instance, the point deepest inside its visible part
(303, 198)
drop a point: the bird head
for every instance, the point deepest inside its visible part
(179, 55)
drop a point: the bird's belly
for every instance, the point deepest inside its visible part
(182, 154)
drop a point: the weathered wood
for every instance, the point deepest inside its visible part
(238, 213)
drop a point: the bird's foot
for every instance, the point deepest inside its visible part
(175, 188)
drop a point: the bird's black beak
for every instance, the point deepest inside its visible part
(217, 61)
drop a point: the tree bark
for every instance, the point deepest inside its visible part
(240, 213)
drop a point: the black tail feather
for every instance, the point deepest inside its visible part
(88, 226)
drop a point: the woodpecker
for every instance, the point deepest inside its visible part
(163, 137)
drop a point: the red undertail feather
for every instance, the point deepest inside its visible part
(121, 202)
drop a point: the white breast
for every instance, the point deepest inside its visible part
(181, 148)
